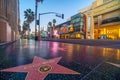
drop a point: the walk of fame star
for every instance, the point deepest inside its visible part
(40, 68)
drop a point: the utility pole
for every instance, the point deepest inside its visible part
(39, 32)
(36, 6)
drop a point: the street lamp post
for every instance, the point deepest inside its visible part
(36, 6)
(57, 14)
(39, 28)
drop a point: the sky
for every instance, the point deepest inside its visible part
(66, 7)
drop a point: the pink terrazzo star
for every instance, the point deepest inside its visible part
(40, 68)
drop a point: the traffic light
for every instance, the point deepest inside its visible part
(39, 1)
(37, 22)
(62, 16)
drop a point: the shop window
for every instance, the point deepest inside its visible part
(78, 36)
(114, 19)
(104, 1)
(71, 29)
(64, 30)
(95, 23)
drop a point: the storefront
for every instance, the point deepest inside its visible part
(71, 30)
(56, 34)
(64, 30)
(79, 24)
(111, 32)
(106, 18)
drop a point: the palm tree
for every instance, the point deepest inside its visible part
(54, 21)
(50, 27)
(24, 28)
(50, 24)
(29, 16)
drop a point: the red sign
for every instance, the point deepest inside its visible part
(64, 30)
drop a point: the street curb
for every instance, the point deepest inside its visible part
(87, 42)
(7, 43)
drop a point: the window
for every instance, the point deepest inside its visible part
(109, 20)
(104, 1)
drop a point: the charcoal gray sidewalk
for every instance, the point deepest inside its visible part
(103, 43)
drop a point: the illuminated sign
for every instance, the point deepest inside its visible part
(55, 32)
(64, 29)
(71, 28)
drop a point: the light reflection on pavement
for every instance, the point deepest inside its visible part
(81, 58)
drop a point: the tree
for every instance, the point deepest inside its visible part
(50, 28)
(29, 16)
(54, 21)
(24, 28)
(50, 24)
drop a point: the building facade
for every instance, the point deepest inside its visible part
(75, 28)
(61, 31)
(78, 22)
(106, 19)
(100, 20)
(87, 12)
(9, 20)
(64, 30)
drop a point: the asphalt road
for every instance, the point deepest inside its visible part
(91, 62)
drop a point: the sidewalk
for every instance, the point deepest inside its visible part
(6, 43)
(90, 42)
